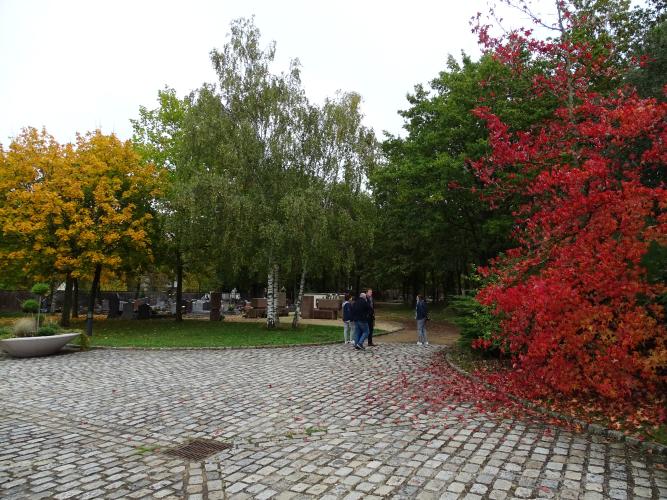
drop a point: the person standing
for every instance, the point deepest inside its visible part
(421, 315)
(348, 330)
(371, 316)
(360, 312)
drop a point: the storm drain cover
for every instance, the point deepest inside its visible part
(198, 449)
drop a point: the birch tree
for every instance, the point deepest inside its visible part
(333, 158)
(259, 106)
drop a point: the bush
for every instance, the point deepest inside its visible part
(40, 289)
(478, 325)
(24, 327)
(84, 341)
(30, 306)
(49, 329)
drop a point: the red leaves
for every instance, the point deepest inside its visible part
(578, 311)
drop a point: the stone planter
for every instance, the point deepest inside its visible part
(26, 347)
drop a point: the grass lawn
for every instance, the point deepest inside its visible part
(203, 333)
(403, 312)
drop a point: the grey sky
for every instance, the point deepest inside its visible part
(75, 65)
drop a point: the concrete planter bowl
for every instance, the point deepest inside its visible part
(27, 347)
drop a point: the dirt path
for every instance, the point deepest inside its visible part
(402, 331)
(438, 333)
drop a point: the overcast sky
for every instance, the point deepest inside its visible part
(80, 65)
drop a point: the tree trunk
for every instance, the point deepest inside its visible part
(568, 65)
(299, 298)
(276, 290)
(137, 292)
(91, 301)
(271, 312)
(52, 292)
(67, 301)
(179, 286)
(75, 301)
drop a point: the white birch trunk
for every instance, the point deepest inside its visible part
(276, 289)
(299, 299)
(270, 313)
(272, 318)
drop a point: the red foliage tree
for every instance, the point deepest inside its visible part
(579, 314)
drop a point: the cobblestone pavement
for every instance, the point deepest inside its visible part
(88, 425)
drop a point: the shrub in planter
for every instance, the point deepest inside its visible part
(49, 329)
(40, 289)
(30, 306)
(24, 327)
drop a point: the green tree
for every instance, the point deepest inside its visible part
(433, 222)
(158, 136)
(326, 221)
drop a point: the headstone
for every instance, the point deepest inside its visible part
(114, 306)
(324, 314)
(128, 311)
(307, 306)
(258, 303)
(215, 304)
(329, 304)
(144, 311)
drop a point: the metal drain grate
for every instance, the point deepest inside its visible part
(198, 449)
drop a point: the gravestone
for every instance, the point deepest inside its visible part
(307, 306)
(144, 311)
(114, 306)
(258, 303)
(128, 311)
(329, 304)
(215, 304)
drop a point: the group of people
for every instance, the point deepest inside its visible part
(359, 320)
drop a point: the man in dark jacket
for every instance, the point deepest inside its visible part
(360, 313)
(421, 315)
(348, 331)
(371, 316)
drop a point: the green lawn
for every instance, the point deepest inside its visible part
(403, 312)
(203, 333)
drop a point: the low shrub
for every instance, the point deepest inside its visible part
(30, 306)
(478, 325)
(83, 341)
(24, 327)
(49, 329)
(40, 289)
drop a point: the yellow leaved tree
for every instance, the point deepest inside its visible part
(32, 208)
(76, 209)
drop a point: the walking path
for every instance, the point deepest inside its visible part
(307, 422)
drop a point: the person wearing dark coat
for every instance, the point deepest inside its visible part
(360, 313)
(371, 316)
(347, 320)
(421, 315)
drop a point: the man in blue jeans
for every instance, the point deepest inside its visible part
(360, 313)
(421, 315)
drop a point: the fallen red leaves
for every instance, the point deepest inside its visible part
(438, 390)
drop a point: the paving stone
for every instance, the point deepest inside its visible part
(370, 449)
